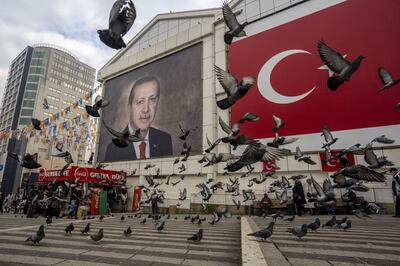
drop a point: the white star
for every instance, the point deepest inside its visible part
(325, 67)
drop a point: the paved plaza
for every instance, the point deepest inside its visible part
(369, 242)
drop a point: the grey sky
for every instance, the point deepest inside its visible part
(72, 24)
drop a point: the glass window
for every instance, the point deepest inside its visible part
(33, 78)
(28, 103)
(37, 70)
(25, 121)
(26, 112)
(30, 95)
(31, 86)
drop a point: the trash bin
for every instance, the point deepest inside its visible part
(172, 209)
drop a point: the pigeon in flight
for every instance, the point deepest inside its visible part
(59, 146)
(299, 156)
(99, 103)
(361, 172)
(184, 132)
(386, 79)
(45, 104)
(28, 161)
(68, 159)
(374, 161)
(338, 64)
(328, 137)
(278, 123)
(249, 117)
(235, 28)
(182, 194)
(36, 124)
(120, 21)
(196, 237)
(122, 138)
(324, 193)
(233, 88)
(98, 236)
(211, 145)
(383, 139)
(264, 233)
(37, 237)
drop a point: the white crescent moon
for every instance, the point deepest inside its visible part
(264, 80)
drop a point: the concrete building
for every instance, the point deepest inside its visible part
(171, 33)
(40, 72)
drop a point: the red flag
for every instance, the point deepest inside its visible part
(334, 164)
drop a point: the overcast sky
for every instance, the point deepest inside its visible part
(72, 24)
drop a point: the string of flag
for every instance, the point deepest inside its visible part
(73, 132)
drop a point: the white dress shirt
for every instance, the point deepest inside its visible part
(136, 144)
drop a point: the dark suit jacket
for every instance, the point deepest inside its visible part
(394, 181)
(160, 145)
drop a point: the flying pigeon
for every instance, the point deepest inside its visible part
(99, 103)
(182, 194)
(386, 79)
(45, 104)
(383, 139)
(143, 221)
(234, 89)
(250, 117)
(28, 161)
(120, 21)
(212, 145)
(324, 193)
(264, 233)
(328, 137)
(68, 159)
(338, 64)
(97, 237)
(184, 132)
(374, 161)
(299, 156)
(235, 28)
(59, 146)
(37, 237)
(175, 183)
(197, 237)
(299, 231)
(182, 168)
(122, 138)
(69, 228)
(282, 196)
(278, 123)
(36, 124)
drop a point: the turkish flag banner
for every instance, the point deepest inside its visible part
(267, 167)
(334, 164)
(292, 79)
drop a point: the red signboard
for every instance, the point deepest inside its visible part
(94, 209)
(83, 174)
(291, 78)
(136, 198)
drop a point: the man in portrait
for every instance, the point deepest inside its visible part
(142, 107)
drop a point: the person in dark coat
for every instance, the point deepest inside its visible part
(298, 197)
(396, 190)
(2, 197)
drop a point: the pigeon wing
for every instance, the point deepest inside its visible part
(331, 58)
(130, 16)
(385, 76)
(224, 126)
(227, 81)
(369, 155)
(229, 17)
(115, 10)
(112, 131)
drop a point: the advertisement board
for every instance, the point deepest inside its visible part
(152, 99)
(292, 79)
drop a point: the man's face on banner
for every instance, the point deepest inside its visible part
(143, 107)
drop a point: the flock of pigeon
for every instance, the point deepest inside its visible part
(122, 16)
(159, 225)
(302, 231)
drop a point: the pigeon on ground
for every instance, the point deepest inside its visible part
(143, 221)
(86, 230)
(36, 124)
(37, 237)
(123, 138)
(361, 214)
(264, 233)
(331, 222)
(45, 104)
(338, 64)
(290, 218)
(329, 139)
(49, 220)
(196, 237)
(160, 226)
(128, 232)
(298, 231)
(69, 228)
(314, 225)
(386, 79)
(250, 117)
(234, 89)
(99, 103)
(235, 28)
(97, 237)
(345, 225)
(120, 21)
(101, 218)
(122, 218)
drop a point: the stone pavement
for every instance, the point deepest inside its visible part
(220, 245)
(373, 241)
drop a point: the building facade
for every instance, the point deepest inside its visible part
(40, 72)
(168, 35)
